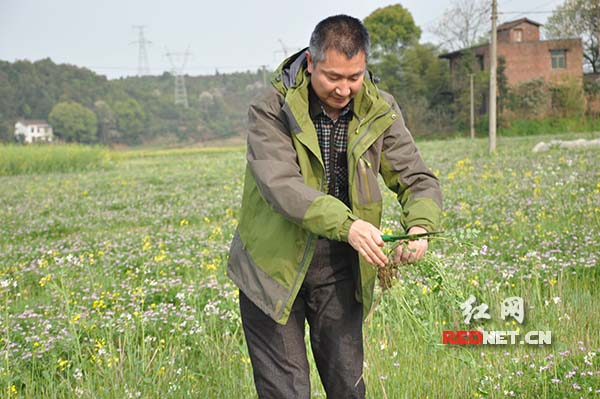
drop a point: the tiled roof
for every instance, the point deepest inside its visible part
(30, 122)
(511, 24)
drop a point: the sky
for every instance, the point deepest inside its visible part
(223, 35)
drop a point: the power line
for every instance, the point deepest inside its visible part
(534, 10)
(241, 68)
(525, 12)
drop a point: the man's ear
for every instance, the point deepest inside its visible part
(310, 61)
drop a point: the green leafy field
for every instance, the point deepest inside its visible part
(112, 281)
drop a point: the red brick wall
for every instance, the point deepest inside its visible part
(531, 60)
(530, 33)
(503, 35)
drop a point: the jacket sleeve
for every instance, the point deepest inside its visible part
(405, 173)
(273, 161)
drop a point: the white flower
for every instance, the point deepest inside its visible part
(77, 374)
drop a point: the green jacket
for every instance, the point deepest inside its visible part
(284, 205)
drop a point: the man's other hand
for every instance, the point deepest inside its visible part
(414, 250)
(366, 240)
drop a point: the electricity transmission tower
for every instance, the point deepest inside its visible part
(178, 67)
(285, 50)
(143, 65)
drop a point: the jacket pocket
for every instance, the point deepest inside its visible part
(368, 189)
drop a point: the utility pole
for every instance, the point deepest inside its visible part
(264, 75)
(143, 65)
(178, 67)
(493, 62)
(472, 109)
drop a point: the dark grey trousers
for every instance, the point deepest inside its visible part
(326, 300)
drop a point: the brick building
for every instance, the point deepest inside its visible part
(527, 57)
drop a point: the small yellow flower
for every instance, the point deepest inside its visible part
(62, 364)
(45, 280)
(210, 266)
(99, 343)
(184, 222)
(161, 256)
(147, 246)
(99, 304)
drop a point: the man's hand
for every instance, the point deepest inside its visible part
(414, 250)
(366, 239)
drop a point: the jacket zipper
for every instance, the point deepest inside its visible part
(363, 168)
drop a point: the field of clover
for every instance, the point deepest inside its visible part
(113, 285)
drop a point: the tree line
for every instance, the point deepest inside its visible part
(85, 107)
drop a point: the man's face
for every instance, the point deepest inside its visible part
(336, 79)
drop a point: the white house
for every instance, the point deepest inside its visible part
(32, 131)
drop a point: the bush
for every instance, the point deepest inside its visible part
(528, 99)
(72, 121)
(567, 98)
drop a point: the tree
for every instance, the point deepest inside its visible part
(107, 123)
(578, 18)
(410, 71)
(72, 121)
(463, 25)
(130, 119)
(391, 28)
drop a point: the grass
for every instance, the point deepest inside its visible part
(113, 285)
(66, 158)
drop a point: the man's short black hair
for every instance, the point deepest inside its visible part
(342, 33)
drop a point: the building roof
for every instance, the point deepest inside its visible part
(501, 27)
(462, 50)
(512, 24)
(29, 122)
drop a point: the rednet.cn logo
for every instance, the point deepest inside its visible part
(510, 307)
